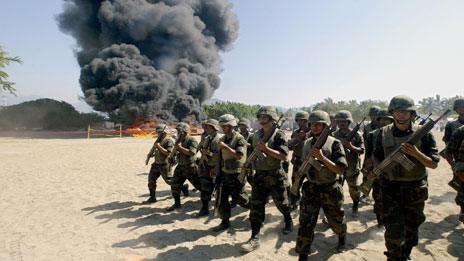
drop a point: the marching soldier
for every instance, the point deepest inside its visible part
(244, 127)
(229, 181)
(296, 143)
(384, 118)
(269, 177)
(184, 150)
(323, 189)
(455, 156)
(353, 149)
(209, 159)
(404, 191)
(450, 128)
(161, 167)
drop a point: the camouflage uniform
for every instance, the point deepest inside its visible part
(455, 149)
(403, 192)
(269, 179)
(353, 158)
(232, 185)
(161, 166)
(322, 190)
(368, 157)
(186, 169)
(296, 145)
(208, 164)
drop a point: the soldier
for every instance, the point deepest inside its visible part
(296, 143)
(229, 181)
(404, 192)
(269, 177)
(449, 130)
(371, 126)
(323, 189)
(383, 118)
(454, 154)
(451, 126)
(209, 149)
(185, 149)
(161, 167)
(244, 126)
(353, 149)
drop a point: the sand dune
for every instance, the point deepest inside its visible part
(80, 200)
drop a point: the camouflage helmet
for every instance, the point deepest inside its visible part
(245, 121)
(373, 111)
(319, 116)
(344, 115)
(182, 126)
(301, 115)
(269, 111)
(459, 103)
(227, 119)
(401, 102)
(160, 128)
(384, 114)
(213, 123)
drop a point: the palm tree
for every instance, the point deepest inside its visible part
(5, 60)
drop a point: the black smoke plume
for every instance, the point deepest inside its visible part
(149, 58)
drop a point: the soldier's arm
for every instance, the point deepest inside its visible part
(190, 150)
(447, 135)
(165, 151)
(337, 162)
(357, 145)
(454, 145)
(427, 155)
(279, 149)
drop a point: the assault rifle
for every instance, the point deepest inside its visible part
(424, 120)
(310, 161)
(397, 157)
(355, 130)
(172, 156)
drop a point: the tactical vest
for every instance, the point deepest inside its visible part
(324, 176)
(399, 173)
(159, 157)
(229, 163)
(184, 159)
(269, 163)
(212, 144)
(353, 158)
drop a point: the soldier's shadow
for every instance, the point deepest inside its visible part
(445, 198)
(115, 205)
(431, 232)
(201, 252)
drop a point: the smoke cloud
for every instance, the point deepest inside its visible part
(149, 57)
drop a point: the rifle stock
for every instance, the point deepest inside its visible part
(397, 157)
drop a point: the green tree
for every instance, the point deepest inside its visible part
(5, 60)
(239, 110)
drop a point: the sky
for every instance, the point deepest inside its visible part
(288, 53)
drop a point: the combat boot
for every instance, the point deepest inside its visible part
(341, 244)
(225, 224)
(185, 190)
(204, 211)
(152, 198)
(355, 209)
(461, 215)
(251, 245)
(302, 257)
(288, 224)
(406, 252)
(176, 204)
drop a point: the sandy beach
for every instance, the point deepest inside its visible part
(79, 199)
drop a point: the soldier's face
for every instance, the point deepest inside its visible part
(226, 128)
(343, 124)
(243, 128)
(460, 111)
(209, 129)
(402, 116)
(317, 128)
(264, 119)
(302, 123)
(385, 121)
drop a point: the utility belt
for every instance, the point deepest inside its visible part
(393, 183)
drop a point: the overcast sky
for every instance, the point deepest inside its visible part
(289, 53)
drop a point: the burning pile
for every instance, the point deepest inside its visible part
(149, 58)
